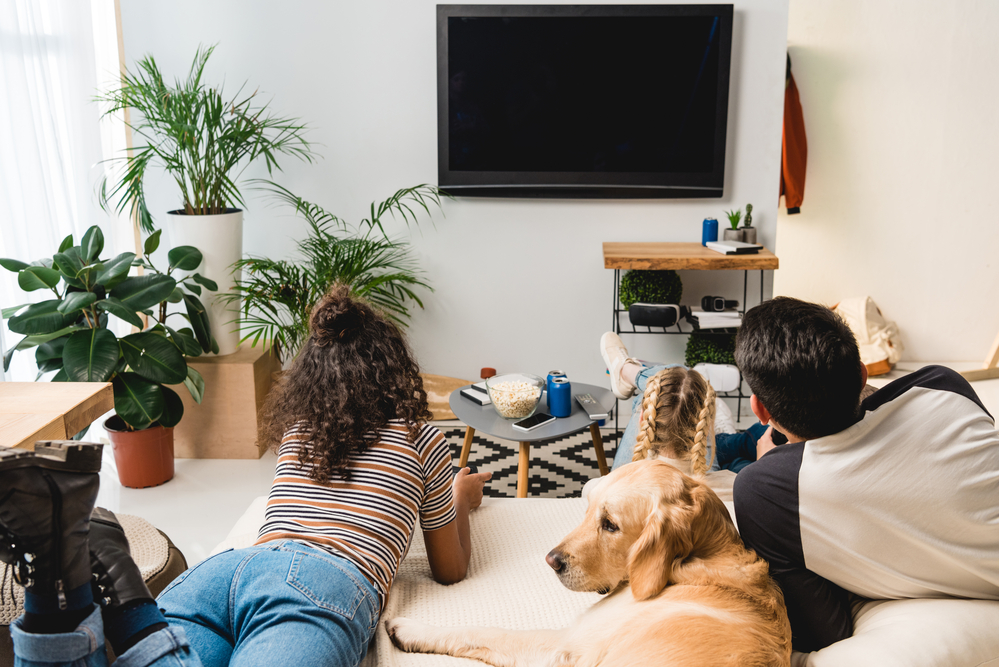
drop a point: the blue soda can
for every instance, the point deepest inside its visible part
(548, 385)
(560, 397)
(709, 231)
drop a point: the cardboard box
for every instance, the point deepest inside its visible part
(225, 425)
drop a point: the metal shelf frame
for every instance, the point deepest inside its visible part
(680, 330)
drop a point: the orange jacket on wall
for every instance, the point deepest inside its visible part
(794, 153)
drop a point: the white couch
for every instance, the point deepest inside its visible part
(509, 585)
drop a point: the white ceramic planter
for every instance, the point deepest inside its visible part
(220, 239)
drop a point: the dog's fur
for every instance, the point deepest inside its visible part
(684, 591)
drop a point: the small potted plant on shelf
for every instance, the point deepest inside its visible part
(70, 335)
(733, 233)
(277, 296)
(748, 232)
(204, 139)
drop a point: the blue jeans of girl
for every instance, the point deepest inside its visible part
(280, 603)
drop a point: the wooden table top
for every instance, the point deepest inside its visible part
(31, 411)
(681, 256)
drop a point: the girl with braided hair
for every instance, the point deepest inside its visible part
(676, 415)
(677, 420)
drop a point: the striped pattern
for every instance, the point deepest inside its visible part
(368, 518)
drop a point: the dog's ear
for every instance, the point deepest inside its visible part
(664, 541)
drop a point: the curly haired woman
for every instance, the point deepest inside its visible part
(358, 466)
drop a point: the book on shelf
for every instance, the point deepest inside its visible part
(725, 319)
(734, 247)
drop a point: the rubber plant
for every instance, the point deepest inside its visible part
(70, 333)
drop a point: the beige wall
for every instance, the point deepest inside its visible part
(900, 103)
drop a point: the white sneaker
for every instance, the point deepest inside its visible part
(615, 355)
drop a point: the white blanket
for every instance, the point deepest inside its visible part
(509, 585)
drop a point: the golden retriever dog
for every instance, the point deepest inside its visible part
(683, 590)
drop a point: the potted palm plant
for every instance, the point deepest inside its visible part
(277, 296)
(204, 140)
(70, 336)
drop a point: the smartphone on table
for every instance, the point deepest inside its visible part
(534, 421)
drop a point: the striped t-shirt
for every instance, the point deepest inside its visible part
(368, 518)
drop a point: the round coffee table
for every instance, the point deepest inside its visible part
(485, 418)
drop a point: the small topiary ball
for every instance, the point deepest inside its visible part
(710, 349)
(651, 287)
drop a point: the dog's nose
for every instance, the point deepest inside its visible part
(556, 560)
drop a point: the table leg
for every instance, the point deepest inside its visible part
(523, 469)
(598, 448)
(466, 446)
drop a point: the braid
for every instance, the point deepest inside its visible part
(647, 423)
(678, 416)
(705, 428)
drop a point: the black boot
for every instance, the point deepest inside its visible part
(129, 611)
(46, 498)
(117, 580)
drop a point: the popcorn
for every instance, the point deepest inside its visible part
(514, 399)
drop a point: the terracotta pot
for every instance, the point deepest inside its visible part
(144, 458)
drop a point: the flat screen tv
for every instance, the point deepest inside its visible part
(603, 101)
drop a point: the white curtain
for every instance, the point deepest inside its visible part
(54, 56)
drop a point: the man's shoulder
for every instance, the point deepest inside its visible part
(775, 472)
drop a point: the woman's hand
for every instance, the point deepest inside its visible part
(468, 487)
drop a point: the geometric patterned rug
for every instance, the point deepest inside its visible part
(559, 467)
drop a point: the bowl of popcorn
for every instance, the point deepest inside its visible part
(515, 395)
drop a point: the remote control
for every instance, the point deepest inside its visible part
(593, 409)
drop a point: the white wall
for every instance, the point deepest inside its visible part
(900, 110)
(520, 284)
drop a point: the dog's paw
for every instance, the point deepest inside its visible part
(404, 633)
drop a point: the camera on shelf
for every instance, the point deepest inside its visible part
(714, 304)
(656, 314)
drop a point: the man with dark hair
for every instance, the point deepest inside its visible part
(895, 496)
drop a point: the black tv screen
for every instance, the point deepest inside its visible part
(583, 101)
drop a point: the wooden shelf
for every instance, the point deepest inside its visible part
(682, 256)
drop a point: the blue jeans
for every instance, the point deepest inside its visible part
(280, 603)
(731, 451)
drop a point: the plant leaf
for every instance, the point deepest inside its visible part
(194, 288)
(92, 244)
(195, 384)
(152, 243)
(137, 400)
(173, 408)
(68, 262)
(9, 312)
(141, 292)
(185, 340)
(40, 318)
(154, 357)
(120, 310)
(75, 301)
(50, 352)
(66, 244)
(199, 321)
(37, 277)
(115, 270)
(206, 282)
(29, 342)
(14, 265)
(90, 355)
(185, 258)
